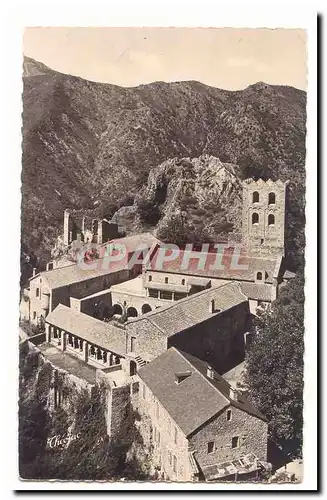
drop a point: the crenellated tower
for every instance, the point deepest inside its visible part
(263, 218)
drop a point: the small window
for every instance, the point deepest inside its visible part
(183, 282)
(271, 199)
(259, 276)
(255, 197)
(175, 435)
(175, 464)
(235, 442)
(135, 388)
(255, 218)
(166, 280)
(34, 314)
(37, 292)
(229, 415)
(271, 220)
(150, 277)
(211, 447)
(50, 266)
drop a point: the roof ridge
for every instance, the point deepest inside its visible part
(184, 300)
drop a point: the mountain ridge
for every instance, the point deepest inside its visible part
(89, 144)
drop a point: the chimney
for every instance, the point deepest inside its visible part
(233, 394)
(210, 373)
(212, 306)
(34, 271)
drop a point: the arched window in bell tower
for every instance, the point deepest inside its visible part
(255, 218)
(271, 198)
(271, 220)
(255, 197)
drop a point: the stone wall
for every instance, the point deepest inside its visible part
(39, 292)
(148, 339)
(118, 399)
(251, 431)
(219, 340)
(165, 447)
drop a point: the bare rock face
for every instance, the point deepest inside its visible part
(203, 194)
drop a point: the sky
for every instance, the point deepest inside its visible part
(228, 58)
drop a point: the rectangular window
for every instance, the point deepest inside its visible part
(235, 442)
(153, 293)
(34, 314)
(175, 463)
(38, 292)
(175, 435)
(229, 415)
(133, 339)
(178, 295)
(211, 447)
(166, 295)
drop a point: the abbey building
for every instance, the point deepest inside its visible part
(160, 327)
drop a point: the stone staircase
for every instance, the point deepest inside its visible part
(140, 361)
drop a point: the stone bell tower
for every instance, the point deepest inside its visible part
(263, 218)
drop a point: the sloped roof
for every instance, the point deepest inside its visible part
(257, 291)
(64, 276)
(230, 269)
(90, 329)
(185, 313)
(197, 398)
(135, 241)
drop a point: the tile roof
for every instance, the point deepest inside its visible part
(135, 241)
(251, 265)
(102, 334)
(182, 314)
(244, 465)
(197, 398)
(68, 275)
(257, 291)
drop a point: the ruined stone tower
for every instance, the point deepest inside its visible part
(263, 218)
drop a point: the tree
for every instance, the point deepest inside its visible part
(274, 375)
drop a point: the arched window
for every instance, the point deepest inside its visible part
(131, 312)
(271, 198)
(166, 280)
(255, 197)
(259, 275)
(146, 308)
(255, 218)
(150, 277)
(271, 220)
(117, 309)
